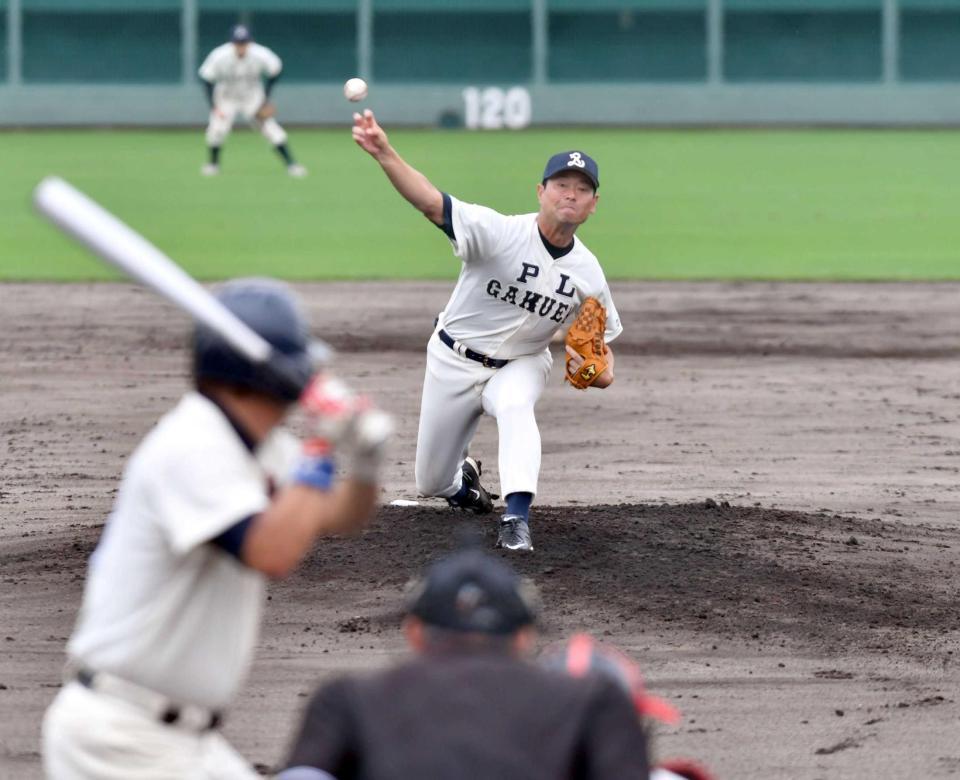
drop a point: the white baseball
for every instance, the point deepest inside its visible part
(355, 89)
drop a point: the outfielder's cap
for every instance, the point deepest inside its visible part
(471, 591)
(582, 655)
(241, 34)
(581, 162)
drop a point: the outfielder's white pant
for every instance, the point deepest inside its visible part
(456, 392)
(225, 113)
(91, 736)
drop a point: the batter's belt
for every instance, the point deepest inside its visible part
(188, 716)
(465, 351)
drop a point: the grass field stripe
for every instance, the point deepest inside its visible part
(121, 246)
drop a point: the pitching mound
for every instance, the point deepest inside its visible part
(822, 583)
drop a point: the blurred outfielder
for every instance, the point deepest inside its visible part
(216, 498)
(239, 76)
(523, 277)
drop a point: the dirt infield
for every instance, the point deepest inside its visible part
(762, 510)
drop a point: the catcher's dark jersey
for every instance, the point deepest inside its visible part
(466, 716)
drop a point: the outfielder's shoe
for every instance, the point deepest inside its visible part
(514, 534)
(297, 171)
(475, 499)
(210, 169)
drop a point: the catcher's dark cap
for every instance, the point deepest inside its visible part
(582, 655)
(240, 34)
(472, 591)
(581, 162)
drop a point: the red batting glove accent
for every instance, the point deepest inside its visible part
(317, 448)
(327, 397)
(333, 411)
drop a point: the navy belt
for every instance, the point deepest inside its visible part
(199, 718)
(460, 349)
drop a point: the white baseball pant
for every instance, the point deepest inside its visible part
(226, 111)
(92, 736)
(456, 392)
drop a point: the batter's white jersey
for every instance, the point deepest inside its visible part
(512, 295)
(239, 80)
(163, 608)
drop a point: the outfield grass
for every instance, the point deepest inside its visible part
(819, 204)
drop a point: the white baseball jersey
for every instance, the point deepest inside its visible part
(512, 295)
(163, 608)
(239, 79)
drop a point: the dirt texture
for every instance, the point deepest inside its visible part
(762, 510)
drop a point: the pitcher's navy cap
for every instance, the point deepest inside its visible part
(241, 34)
(475, 592)
(573, 161)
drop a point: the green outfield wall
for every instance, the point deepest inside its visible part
(604, 61)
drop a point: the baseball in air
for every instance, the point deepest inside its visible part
(355, 89)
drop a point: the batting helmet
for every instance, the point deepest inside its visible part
(582, 655)
(271, 310)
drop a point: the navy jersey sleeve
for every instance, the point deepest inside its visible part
(327, 738)
(476, 232)
(447, 226)
(231, 540)
(208, 90)
(268, 84)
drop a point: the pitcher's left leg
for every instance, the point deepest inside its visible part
(511, 397)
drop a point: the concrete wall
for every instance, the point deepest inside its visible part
(612, 62)
(430, 104)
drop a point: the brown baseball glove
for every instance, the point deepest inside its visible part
(266, 111)
(585, 337)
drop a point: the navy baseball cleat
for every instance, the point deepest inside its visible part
(514, 534)
(473, 497)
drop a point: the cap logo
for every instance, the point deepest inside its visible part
(576, 159)
(469, 598)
